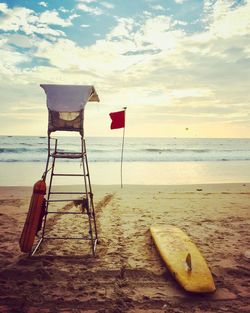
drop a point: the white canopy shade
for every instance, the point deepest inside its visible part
(69, 98)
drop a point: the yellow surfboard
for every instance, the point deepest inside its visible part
(183, 259)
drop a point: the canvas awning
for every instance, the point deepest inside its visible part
(69, 98)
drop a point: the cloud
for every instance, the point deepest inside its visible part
(150, 33)
(84, 6)
(190, 92)
(87, 6)
(168, 52)
(227, 21)
(179, 1)
(15, 19)
(10, 59)
(53, 18)
(20, 40)
(43, 4)
(158, 7)
(146, 61)
(85, 25)
(103, 57)
(159, 32)
(107, 5)
(3, 7)
(29, 22)
(123, 29)
(86, 1)
(62, 9)
(179, 22)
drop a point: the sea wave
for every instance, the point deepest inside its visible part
(131, 158)
(21, 150)
(33, 149)
(176, 150)
(13, 150)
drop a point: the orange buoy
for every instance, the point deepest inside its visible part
(34, 216)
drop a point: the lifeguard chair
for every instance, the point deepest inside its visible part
(66, 105)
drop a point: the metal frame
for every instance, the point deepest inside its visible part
(90, 211)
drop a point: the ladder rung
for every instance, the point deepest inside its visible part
(65, 238)
(70, 174)
(54, 212)
(68, 193)
(63, 200)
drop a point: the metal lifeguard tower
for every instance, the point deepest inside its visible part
(66, 105)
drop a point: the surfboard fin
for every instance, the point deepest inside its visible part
(189, 262)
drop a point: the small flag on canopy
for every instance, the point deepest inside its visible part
(118, 119)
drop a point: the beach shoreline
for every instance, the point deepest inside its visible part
(127, 274)
(134, 173)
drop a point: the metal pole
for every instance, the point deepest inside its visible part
(48, 158)
(123, 143)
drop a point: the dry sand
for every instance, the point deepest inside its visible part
(128, 275)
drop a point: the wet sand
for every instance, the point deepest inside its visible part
(134, 173)
(127, 275)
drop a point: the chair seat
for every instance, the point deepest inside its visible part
(68, 155)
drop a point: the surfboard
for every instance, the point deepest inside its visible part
(183, 259)
(34, 217)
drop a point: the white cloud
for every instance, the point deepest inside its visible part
(3, 7)
(125, 48)
(191, 92)
(147, 13)
(87, 1)
(62, 9)
(28, 21)
(10, 59)
(158, 7)
(180, 1)
(178, 22)
(53, 18)
(147, 62)
(43, 4)
(227, 22)
(85, 25)
(155, 32)
(14, 19)
(107, 5)
(20, 40)
(103, 57)
(86, 6)
(159, 33)
(122, 29)
(89, 9)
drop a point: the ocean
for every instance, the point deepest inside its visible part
(34, 149)
(146, 160)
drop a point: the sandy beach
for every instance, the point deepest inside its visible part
(127, 274)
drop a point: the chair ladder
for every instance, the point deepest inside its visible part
(87, 195)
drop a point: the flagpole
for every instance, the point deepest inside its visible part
(123, 143)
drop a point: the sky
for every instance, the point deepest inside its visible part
(181, 67)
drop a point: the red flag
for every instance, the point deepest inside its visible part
(118, 119)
